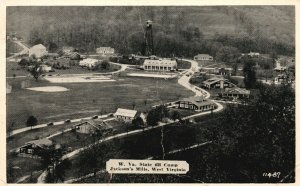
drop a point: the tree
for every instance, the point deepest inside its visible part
(138, 122)
(175, 115)
(105, 65)
(36, 71)
(31, 121)
(227, 54)
(261, 133)
(249, 74)
(23, 62)
(157, 114)
(61, 167)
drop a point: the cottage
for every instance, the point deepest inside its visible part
(38, 51)
(46, 68)
(35, 148)
(67, 50)
(282, 79)
(235, 92)
(195, 103)
(218, 83)
(203, 57)
(92, 126)
(160, 65)
(278, 67)
(253, 54)
(224, 71)
(105, 50)
(126, 114)
(89, 62)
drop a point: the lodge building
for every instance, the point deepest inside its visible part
(196, 103)
(160, 65)
(218, 83)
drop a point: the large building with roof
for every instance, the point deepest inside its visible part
(89, 62)
(203, 57)
(38, 51)
(105, 50)
(160, 65)
(91, 126)
(235, 92)
(126, 114)
(35, 148)
(220, 83)
(196, 103)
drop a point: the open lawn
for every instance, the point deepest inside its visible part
(20, 139)
(74, 139)
(86, 99)
(26, 165)
(13, 68)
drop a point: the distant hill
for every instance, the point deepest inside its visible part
(122, 27)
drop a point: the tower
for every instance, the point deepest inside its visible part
(149, 48)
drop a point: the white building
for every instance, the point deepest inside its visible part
(89, 62)
(203, 57)
(38, 50)
(105, 50)
(160, 64)
(46, 68)
(279, 67)
(253, 54)
(126, 114)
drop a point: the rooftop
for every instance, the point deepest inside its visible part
(197, 100)
(41, 142)
(126, 112)
(237, 90)
(203, 55)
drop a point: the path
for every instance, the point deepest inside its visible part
(24, 51)
(18, 131)
(185, 80)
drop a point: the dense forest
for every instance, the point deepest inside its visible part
(178, 31)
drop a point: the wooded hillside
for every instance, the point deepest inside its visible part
(179, 31)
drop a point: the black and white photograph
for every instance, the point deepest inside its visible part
(150, 94)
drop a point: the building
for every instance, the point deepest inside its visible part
(105, 50)
(126, 114)
(218, 83)
(235, 92)
(253, 54)
(203, 57)
(46, 68)
(225, 71)
(35, 148)
(38, 51)
(75, 56)
(92, 126)
(196, 103)
(67, 50)
(89, 62)
(282, 79)
(278, 67)
(160, 65)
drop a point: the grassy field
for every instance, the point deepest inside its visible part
(20, 139)
(26, 165)
(73, 139)
(86, 99)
